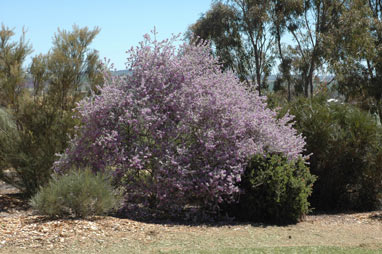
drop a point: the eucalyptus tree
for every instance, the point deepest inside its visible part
(239, 33)
(310, 28)
(374, 65)
(357, 54)
(248, 35)
(283, 13)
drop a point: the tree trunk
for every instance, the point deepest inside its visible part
(278, 36)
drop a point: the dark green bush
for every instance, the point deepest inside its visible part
(78, 193)
(346, 144)
(274, 190)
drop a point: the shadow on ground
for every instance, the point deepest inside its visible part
(13, 202)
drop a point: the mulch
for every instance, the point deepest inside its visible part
(21, 227)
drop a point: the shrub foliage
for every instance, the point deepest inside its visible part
(35, 125)
(9, 137)
(78, 193)
(177, 130)
(273, 189)
(30, 142)
(345, 143)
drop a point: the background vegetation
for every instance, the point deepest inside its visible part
(345, 146)
(328, 75)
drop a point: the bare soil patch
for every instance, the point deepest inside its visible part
(23, 232)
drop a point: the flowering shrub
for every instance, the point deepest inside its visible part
(177, 130)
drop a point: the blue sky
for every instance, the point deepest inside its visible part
(122, 23)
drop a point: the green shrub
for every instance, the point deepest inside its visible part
(274, 190)
(42, 118)
(79, 193)
(29, 147)
(9, 138)
(346, 147)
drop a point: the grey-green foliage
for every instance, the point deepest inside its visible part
(78, 193)
(8, 128)
(9, 137)
(71, 66)
(12, 74)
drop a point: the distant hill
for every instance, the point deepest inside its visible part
(121, 72)
(271, 78)
(29, 81)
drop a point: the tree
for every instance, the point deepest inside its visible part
(310, 29)
(220, 27)
(12, 74)
(283, 13)
(356, 51)
(247, 35)
(239, 32)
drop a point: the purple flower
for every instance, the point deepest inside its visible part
(178, 128)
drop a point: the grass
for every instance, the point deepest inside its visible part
(267, 250)
(126, 248)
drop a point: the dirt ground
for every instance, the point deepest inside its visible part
(23, 232)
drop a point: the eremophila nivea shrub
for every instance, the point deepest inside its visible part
(177, 130)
